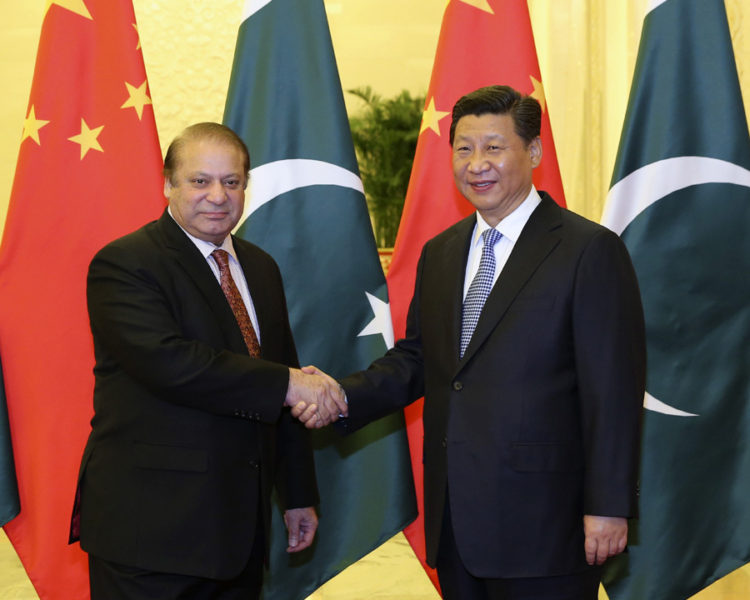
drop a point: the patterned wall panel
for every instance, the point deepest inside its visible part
(188, 47)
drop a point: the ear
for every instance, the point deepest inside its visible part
(167, 188)
(535, 152)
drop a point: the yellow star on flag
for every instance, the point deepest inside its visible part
(538, 92)
(76, 6)
(138, 97)
(480, 4)
(431, 117)
(32, 125)
(87, 138)
(138, 47)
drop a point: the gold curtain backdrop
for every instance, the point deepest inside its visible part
(586, 49)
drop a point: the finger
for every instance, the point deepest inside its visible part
(602, 553)
(622, 543)
(325, 376)
(310, 370)
(298, 409)
(308, 417)
(306, 535)
(309, 413)
(324, 410)
(336, 397)
(590, 548)
(293, 538)
(340, 400)
(305, 540)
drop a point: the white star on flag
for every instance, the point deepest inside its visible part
(381, 324)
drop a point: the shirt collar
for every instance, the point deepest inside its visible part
(206, 248)
(512, 225)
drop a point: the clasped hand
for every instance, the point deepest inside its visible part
(316, 399)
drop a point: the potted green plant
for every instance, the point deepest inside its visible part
(385, 136)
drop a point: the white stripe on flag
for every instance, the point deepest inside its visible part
(653, 4)
(253, 6)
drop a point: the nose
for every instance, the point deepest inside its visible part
(216, 193)
(478, 162)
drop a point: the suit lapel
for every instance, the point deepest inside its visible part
(196, 268)
(537, 240)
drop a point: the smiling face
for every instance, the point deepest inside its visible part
(206, 191)
(492, 164)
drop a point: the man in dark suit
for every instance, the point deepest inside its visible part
(529, 350)
(195, 370)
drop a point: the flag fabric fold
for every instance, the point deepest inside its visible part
(88, 171)
(680, 198)
(306, 207)
(9, 504)
(482, 42)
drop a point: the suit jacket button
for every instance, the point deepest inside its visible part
(254, 464)
(458, 386)
(444, 442)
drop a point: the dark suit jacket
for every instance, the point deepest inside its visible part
(538, 424)
(189, 433)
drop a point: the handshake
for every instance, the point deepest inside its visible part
(316, 399)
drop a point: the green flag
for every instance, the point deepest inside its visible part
(680, 198)
(9, 504)
(306, 208)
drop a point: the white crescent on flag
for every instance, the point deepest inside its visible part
(634, 193)
(275, 178)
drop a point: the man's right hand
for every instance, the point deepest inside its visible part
(316, 399)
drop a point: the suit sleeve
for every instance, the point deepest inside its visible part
(295, 464)
(393, 381)
(149, 330)
(610, 354)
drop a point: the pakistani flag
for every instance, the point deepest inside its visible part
(680, 198)
(306, 208)
(9, 506)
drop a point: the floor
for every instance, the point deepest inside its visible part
(14, 585)
(405, 577)
(389, 573)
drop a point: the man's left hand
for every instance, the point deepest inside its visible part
(301, 523)
(605, 537)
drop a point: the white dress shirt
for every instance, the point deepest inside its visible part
(206, 248)
(510, 228)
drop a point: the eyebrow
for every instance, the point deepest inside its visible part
(204, 174)
(485, 137)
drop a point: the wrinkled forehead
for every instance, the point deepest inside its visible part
(207, 153)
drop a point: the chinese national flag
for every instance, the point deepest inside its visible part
(88, 171)
(482, 42)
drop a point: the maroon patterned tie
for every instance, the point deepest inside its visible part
(235, 302)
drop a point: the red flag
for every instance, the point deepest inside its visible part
(88, 171)
(482, 42)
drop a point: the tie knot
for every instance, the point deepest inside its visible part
(491, 237)
(221, 257)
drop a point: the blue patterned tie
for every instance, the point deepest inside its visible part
(480, 287)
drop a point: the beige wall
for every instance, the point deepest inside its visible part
(586, 50)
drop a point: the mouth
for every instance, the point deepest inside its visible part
(481, 185)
